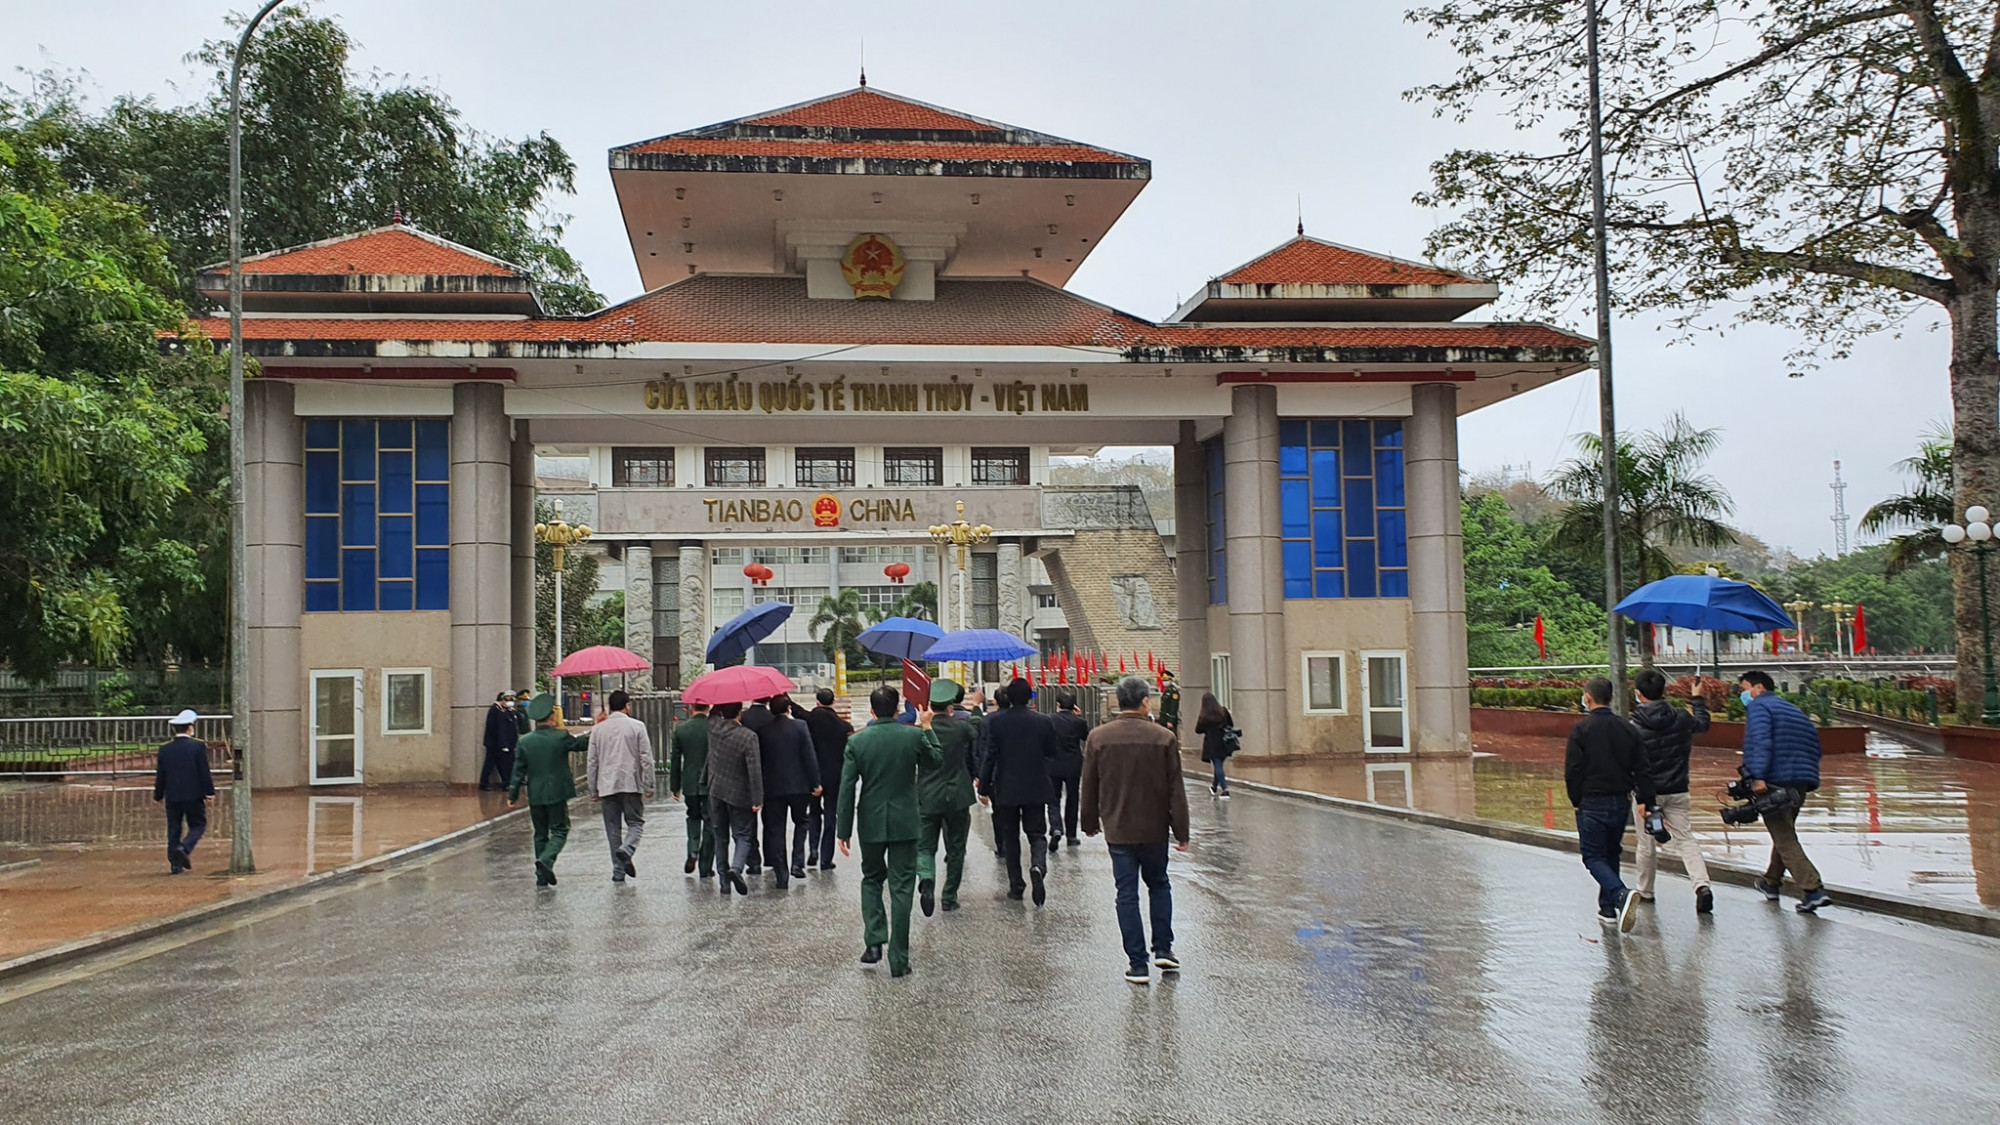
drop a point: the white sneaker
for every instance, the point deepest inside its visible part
(1628, 914)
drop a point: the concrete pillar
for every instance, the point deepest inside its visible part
(1256, 571)
(639, 611)
(275, 504)
(694, 608)
(1011, 592)
(521, 536)
(482, 566)
(1191, 564)
(1440, 697)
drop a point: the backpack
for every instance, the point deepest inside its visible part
(1232, 738)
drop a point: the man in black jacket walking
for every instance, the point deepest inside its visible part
(1605, 763)
(830, 732)
(502, 735)
(791, 781)
(1015, 778)
(1668, 733)
(1066, 768)
(183, 783)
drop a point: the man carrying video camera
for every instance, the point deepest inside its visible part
(1780, 766)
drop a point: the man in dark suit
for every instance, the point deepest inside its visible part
(503, 733)
(182, 781)
(830, 732)
(791, 782)
(1066, 768)
(1015, 778)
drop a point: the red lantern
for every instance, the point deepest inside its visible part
(758, 574)
(897, 572)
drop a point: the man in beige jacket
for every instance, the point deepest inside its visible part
(619, 776)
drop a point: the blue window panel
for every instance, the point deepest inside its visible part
(323, 482)
(1360, 568)
(396, 485)
(433, 449)
(322, 433)
(1328, 584)
(397, 595)
(1389, 433)
(396, 547)
(1326, 540)
(1326, 478)
(1360, 509)
(1357, 447)
(357, 579)
(323, 547)
(1395, 583)
(1326, 434)
(1292, 448)
(393, 433)
(357, 449)
(433, 515)
(357, 515)
(1391, 538)
(1389, 478)
(1298, 570)
(434, 579)
(1295, 504)
(322, 597)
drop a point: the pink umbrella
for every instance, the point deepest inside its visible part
(598, 660)
(739, 684)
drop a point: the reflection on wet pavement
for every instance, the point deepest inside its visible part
(1901, 823)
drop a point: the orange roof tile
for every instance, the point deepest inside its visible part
(1368, 336)
(1310, 261)
(867, 109)
(893, 150)
(385, 250)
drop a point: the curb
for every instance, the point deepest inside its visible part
(1969, 920)
(133, 932)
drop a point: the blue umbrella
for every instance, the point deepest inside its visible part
(905, 638)
(1696, 601)
(980, 644)
(745, 629)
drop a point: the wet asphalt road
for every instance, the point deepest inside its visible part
(1338, 968)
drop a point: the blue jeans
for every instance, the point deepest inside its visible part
(1221, 779)
(1130, 863)
(1600, 834)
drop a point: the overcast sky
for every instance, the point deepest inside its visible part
(1242, 108)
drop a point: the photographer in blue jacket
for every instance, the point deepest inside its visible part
(1781, 752)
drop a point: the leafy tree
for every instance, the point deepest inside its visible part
(325, 152)
(837, 622)
(102, 437)
(1664, 500)
(1910, 609)
(1926, 508)
(1506, 587)
(920, 602)
(1826, 166)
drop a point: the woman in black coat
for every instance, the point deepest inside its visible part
(1211, 723)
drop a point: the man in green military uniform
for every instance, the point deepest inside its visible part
(944, 798)
(541, 762)
(687, 777)
(1170, 703)
(884, 758)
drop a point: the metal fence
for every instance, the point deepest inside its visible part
(99, 745)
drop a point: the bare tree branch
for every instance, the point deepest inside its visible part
(1769, 53)
(1916, 284)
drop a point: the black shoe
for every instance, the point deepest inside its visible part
(798, 872)
(625, 861)
(688, 868)
(827, 866)
(925, 896)
(902, 972)
(544, 873)
(1074, 842)
(722, 884)
(1704, 901)
(736, 880)
(1166, 962)
(950, 905)
(871, 955)
(177, 861)
(1041, 891)
(753, 870)
(1015, 893)
(1139, 974)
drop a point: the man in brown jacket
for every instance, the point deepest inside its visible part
(1132, 790)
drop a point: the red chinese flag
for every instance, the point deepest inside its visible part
(1121, 663)
(1860, 628)
(1777, 638)
(1031, 675)
(1541, 638)
(1013, 672)
(916, 684)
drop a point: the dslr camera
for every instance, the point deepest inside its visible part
(1752, 805)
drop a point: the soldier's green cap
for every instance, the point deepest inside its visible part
(541, 707)
(946, 691)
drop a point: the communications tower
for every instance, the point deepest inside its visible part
(1839, 517)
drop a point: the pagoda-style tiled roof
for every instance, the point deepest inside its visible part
(396, 268)
(1312, 261)
(395, 249)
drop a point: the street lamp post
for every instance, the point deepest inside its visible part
(1843, 640)
(962, 535)
(1607, 421)
(241, 861)
(1798, 611)
(559, 536)
(1976, 535)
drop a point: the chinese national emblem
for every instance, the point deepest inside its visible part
(826, 510)
(872, 266)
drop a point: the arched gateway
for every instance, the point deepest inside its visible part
(855, 318)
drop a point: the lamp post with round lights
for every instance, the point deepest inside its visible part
(560, 536)
(962, 535)
(1976, 535)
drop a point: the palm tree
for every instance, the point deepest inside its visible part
(921, 603)
(838, 622)
(1664, 500)
(1926, 508)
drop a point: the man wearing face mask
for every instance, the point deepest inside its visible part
(1781, 750)
(1605, 764)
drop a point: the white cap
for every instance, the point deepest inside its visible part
(186, 718)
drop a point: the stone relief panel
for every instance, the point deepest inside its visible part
(1133, 596)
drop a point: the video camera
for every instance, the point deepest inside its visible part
(1753, 805)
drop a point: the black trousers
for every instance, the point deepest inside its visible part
(776, 809)
(193, 814)
(1012, 820)
(499, 760)
(1063, 800)
(820, 816)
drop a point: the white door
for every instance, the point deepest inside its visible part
(1384, 708)
(336, 727)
